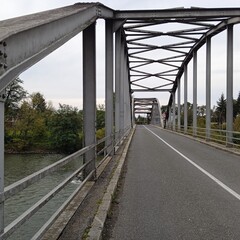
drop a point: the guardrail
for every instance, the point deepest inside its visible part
(224, 137)
(113, 142)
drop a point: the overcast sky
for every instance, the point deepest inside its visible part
(59, 76)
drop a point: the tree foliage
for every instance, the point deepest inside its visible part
(65, 126)
(15, 93)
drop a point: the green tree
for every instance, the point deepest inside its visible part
(100, 118)
(15, 93)
(38, 102)
(65, 129)
(221, 109)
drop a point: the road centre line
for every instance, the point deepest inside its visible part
(221, 184)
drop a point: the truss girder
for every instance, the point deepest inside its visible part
(161, 42)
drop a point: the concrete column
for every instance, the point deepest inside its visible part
(89, 94)
(195, 93)
(229, 110)
(185, 98)
(117, 81)
(1, 163)
(109, 85)
(208, 89)
(174, 111)
(179, 105)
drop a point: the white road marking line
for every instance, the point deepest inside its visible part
(221, 184)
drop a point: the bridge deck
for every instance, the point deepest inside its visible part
(177, 191)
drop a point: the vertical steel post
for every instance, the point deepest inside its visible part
(179, 105)
(208, 88)
(117, 81)
(133, 114)
(195, 93)
(89, 94)
(109, 85)
(1, 164)
(125, 91)
(185, 98)
(121, 99)
(174, 111)
(229, 110)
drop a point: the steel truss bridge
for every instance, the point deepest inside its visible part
(151, 54)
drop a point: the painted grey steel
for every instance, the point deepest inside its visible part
(208, 88)
(174, 111)
(122, 78)
(18, 186)
(38, 205)
(51, 220)
(1, 164)
(168, 14)
(160, 112)
(89, 94)
(229, 107)
(35, 36)
(117, 79)
(109, 82)
(150, 107)
(179, 104)
(35, 39)
(195, 93)
(185, 98)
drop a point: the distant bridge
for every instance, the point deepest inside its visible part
(152, 51)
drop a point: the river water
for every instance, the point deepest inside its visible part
(19, 166)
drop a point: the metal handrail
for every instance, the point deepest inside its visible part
(20, 185)
(216, 135)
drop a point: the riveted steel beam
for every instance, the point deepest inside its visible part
(1, 163)
(37, 35)
(178, 13)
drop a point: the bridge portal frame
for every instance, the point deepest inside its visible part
(39, 34)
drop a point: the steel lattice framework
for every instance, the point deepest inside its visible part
(152, 50)
(161, 42)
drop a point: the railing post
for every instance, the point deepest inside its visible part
(195, 93)
(179, 105)
(229, 110)
(109, 86)
(208, 88)
(1, 164)
(185, 98)
(174, 111)
(89, 95)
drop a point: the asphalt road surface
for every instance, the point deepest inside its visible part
(178, 188)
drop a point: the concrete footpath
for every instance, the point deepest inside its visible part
(97, 226)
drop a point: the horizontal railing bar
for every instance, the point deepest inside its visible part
(32, 210)
(51, 220)
(18, 186)
(103, 139)
(216, 135)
